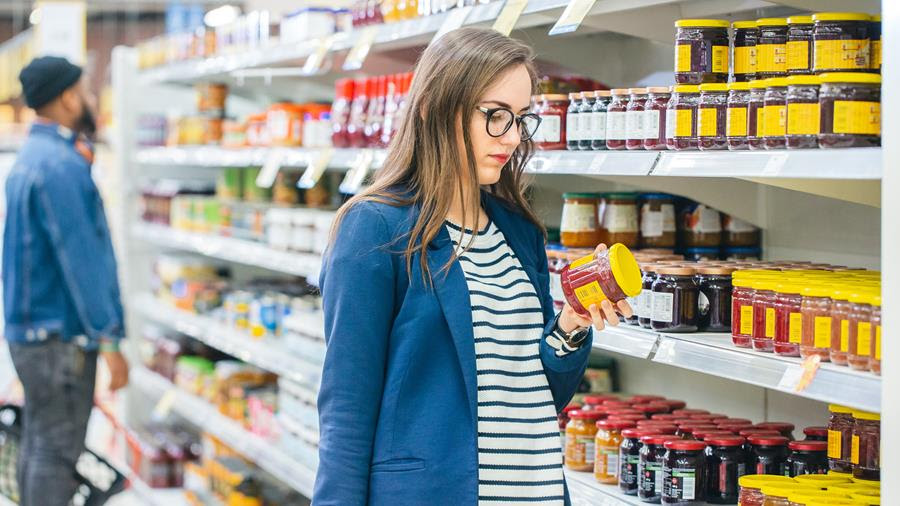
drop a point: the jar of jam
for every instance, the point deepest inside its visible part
(657, 220)
(684, 472)
(840, 438)
(573, 122)
(580, 227)
(799, 45)
(552, 130)
(807, 457)
(736, 116)
(681, 124)
(701, 226)
(701, 51)
(594, 401)
(768, 454)
(616, 117)
(711, 116)
(607, 442)
(860, 330)
(817, 434)
(746, 35)
(875, 43)
(629, 456)
(776, 494)
(841, 42)
(756, 120)
(675, 299)
(686, 430)
(586, 122)
(737, 232)
(802, 112)
(865, 454)
(612, 274)
(771, 49)
(650, 462)
(725, 465)
(788, 319)
(563, 419)
(644, 309)
(714, 299)
(634, 118)
(775, 113)
(815, 309)
(580, 434)
(742, 311)
(850, 110)
(764, 314)
(655, 118)
(875, 358)
(651, 408)
(617, 214)
(599, 119)
(751, 487)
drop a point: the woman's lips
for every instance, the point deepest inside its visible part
(500, 158)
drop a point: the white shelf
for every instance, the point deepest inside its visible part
(267, 455)
(610, 163)
(232, 250)
(214, 156)
(585, 491)
(855, 163)
(713, 354)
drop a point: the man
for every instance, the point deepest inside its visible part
(60, 291)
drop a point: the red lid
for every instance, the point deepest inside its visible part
(598, 399)
(359, 87)
(585, 415)
(655, 424)
(674, 404)
(689, 412)
(809, 446)
(615, 424)
(637, 433)
(656, 439)
(816, 431)
(628, 416)
(664, 416)
(725, 441)
(737, 425)
(779, 426)
(407, 82)
(697, 425)
(344, 88)
(691, 429)
(571, 407)
(382, 86)
(619, 411)
(616, 404)
(652, 408)
(642, 399)
(704, 434)
(685, 444)
(708, 418)
(731, 421)
(758, 440)
(758, 432)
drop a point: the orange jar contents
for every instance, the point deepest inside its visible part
(840, 434)
(788, 319)
(751, 485)
(608, 438)
(875, 358)
(617, 215)
(580, 434)
(860, 327)
(612, 274)
(580, 227)
(284, 122)
(764, 314)
(816, 316)
(865, 453)
(840, 325)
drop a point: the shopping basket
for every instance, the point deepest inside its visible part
(98, 481)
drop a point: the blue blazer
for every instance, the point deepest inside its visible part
(397, 402)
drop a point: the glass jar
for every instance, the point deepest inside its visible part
(875, 43)
(701, 51)
(799, 45)
(701, 226)
(675, 297)
(742, 311)
(840, 438)
(562, 419)
(684, 472)
(841, 42)
(756, 120)
(850, 110)
(807, 457)
(714, 300)
(788, 319)
(552, 130)
(645, 308)
(859, 321)
(725, 465)
(612, 274)
(586, 122)
(573, 122)
(840, 328)
(617, 215)
(771, 49)
(816, 316)
(657, 220)
(768, 454)
(655, 117)
(776, 494)
(606, 444)
(746, 35)
(737, 232)
(817, 434)
(634, 119)
(802, 112)
(580, 434)
(580, 226)
(650, 462)
(616, 117)
(681, 125)
(775, 113)
(711, 114)
(875, 358)
(865, 454)
(733, 254)
(686, 430)
(764, 314)
(751, 485)
(599, 119)
(736, 117)
(629, 456)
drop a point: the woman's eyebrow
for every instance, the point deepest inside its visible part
(504, 104)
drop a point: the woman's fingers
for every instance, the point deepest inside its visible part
(597, 317)
(600, 248)
(625, 308)
(609, 312)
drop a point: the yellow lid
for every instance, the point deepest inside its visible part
(821, 480)
(743, 24)
(755, 272)
(789, 287)
(837, 408)
(860, 297)
(834, 408)
(871, 483)
(714, 87)
(687, 88)
(625, 269)
(769, 284)
(776, 82)
(785, 489)
(771, 22)
(701, 23)
(853, 488)
(742, 86)
(841, 16)
(832, 501)
(865, 415)
(867, 499)
(875, 300)
(817, 290)
(800, 80)
(800, 20)
(759, 480)
(841, 293)
(758, 83)
(850, 77)
(742, 282)
(804, 496)
(876, 18)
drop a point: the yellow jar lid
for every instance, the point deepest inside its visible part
(714, 87)
(804, 496)
(868, 500)
(853, 488)
(742, 282)
(759, 480)
(801, 80)
(832, 501)
(876, 18)
(625, 269)
(742, 86)
(758, 83)
(789, 288)
(850, 77)
(776, 82)
(841, 16)
(701, 23)
(865, 415)
(871, 483)
(822, 480)
(819, 290)
(860, 296)
(875, 300)
(800, 20)
(743, 24)
(786, 489)
(771, 22)
(835, 408)
(765, 284)
(687, 88)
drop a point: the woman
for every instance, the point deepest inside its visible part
(446, 365)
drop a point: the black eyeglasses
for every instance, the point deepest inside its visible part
(499, 120)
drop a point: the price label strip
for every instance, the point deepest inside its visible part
(314, 171)
(270, 168)
(314, 61)
(797, 378)
(360, 49)
(455, 19)
(509, 16)
(572, 17)
(358, 172)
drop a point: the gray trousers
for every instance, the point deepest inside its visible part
(58, 380)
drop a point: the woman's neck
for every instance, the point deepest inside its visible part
(475, 219)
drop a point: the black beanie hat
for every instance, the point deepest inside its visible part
(45, 78)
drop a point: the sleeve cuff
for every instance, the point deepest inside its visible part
(109, 345)
(561, 345)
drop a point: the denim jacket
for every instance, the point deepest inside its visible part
(59, 270)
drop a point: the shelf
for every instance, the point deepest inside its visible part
(268, 353)
(267, 455)
(856, 163)
(713, 354)
(585, 491)
(214, 156)
(232, 250)
(609, 163)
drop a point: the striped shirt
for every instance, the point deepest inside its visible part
(519, 451)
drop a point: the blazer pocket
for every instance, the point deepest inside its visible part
(398, 465)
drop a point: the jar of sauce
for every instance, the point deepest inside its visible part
(714, 299)
(607, 442)
(617, 214)
(802, 112)
(634, 118)
(657, 220)
(768, 454)
(788, 319)
(807, 457)
(771, 49)
(655, 117)
(756, 120)
(629, 456)
(563, 420)
(746, 35)
(840, 328)
(586, 123)
(875, 358)
(737, 232)
(725, 464)
(616, 114)
(612, 274)
(865, 455)
(675, 299)
(684, 472)
(841, 42)
(701, 226)
(742, 311)
(701, 51)
(681, 124)
(815, 309)
(650, 462)
(860, 330)
(599, 119)
(775, 114)
(553, 122)
(580, 434)
(799, 45)
(850, 110)
(764, 314)
(711, 116)
(736, 115)
(840, 438)
(580, 227)
(875, 43)
(777, 494)
(573, 122)
(644, 309)
(817, 434)
(751, 487)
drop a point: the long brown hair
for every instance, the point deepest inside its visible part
(423, 165)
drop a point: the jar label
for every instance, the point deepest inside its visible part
(746, 320)
(579, 218)
(877, 342)
(573, 127)
(841, 54)
(684, 122)
(590, 293)
(775, 121)
(556, 291)
(615, 125)
(760, 123)
(745, 60)
(683, 58)
(770, 322)
(671, 121)
(737, 225)
(720, 59)
(795, 328)
(798, 55)
(834, 444)
(650, 477)
(550, 127)
(680, 483)
(663, 307)
(704, 220)
(702, 304)
(771, 58)
(845, 336)
(736, 122)
(612, 461)
(651, 222)
(598, 126)
(864, 339)
(606, 462)
(875, 54)
(803, 119)
(619, 218)
(852, 117)
(628, 472)
(634, 125)
(651, 124)
(822, 332)
(854, 450)
(706, 122)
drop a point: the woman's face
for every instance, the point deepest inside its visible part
(511, 90)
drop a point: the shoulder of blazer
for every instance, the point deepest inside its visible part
(496, 204)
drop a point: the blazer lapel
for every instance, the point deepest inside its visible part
(524, 251)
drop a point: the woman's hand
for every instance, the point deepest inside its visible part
(569, 320)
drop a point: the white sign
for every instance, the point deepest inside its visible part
(61, 30)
